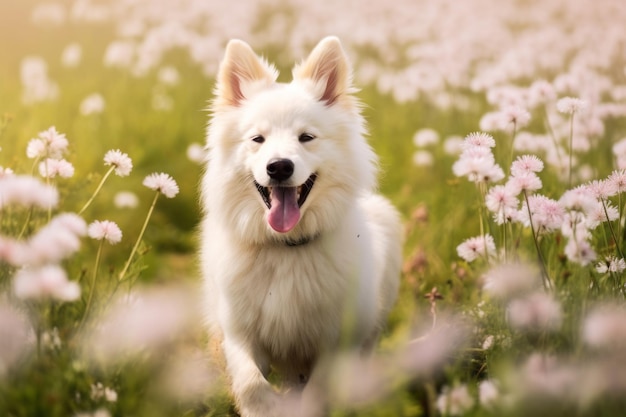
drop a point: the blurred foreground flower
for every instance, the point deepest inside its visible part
(455, 401)
(507, 281)
(144, 321)
(27, 191)
(16, 336)
(46, 282)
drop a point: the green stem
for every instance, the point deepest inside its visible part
(97, 190)
(606, 213)
(571, 151)
(143, 229)
(546, 278)
(93, 283)
(26, 223)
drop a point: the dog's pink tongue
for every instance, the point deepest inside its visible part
(285, 213)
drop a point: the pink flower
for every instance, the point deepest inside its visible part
(571, 105)
(617, 179)
(527, 181)
(578, 199)
(579, 251)
(506, 281)
(501, 201)
(51, 168)
(602, 189)
(47, 282)
(525, 164)
(537, 312)
(26, 191)
(478, 164)
(105, 229)
(478, 139)
(162, 183)
(541, 92)
(516, 115)
(476, 247)
(122, 163)
(547, 214)
(54, 242)
(48, 144)
(605, 327)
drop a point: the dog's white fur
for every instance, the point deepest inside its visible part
(289, 300)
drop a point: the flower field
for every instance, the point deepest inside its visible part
(501, 131)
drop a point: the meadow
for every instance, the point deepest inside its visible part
(501, 131)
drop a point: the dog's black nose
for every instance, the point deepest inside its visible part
(280, 169)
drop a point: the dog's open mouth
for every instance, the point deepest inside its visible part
(284, 203)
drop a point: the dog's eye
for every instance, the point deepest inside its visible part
(306, 137)
(258, 139)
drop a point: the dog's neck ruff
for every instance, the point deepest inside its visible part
(300, 242)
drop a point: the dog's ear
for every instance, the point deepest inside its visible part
(328, 68)
(242, 73)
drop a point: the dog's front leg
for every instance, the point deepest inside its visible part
(253, 394)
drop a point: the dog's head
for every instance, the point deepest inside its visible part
(293, 154)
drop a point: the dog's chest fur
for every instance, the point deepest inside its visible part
(290, 299)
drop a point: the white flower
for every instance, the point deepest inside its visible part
(162, 183)
(488, 393)
(425, 137)
(423, 158)
(196, 153)
(47, 282)
(168, 75)
(125, 199)
(72, 55)
(99, 391)
(92, 104)
(121, 161)
(611, 264)
(455, 401)
(105, 229)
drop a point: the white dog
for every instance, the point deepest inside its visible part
(300, 257)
